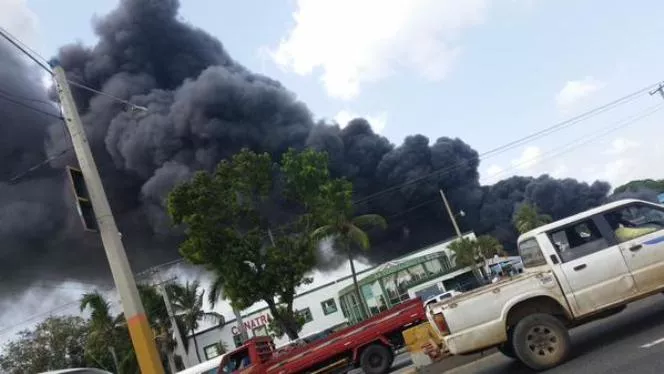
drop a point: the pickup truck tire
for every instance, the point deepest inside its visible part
(376, 359)
(541, 341)
(507, 349)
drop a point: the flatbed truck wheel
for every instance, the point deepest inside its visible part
(541, 341)
(376, 359)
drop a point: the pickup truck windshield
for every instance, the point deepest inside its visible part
(531, 254)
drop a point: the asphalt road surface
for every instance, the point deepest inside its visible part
(630, 342)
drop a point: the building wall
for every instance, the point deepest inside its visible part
(257, 320)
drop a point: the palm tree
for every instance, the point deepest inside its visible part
(216, 294)
(465, 253)
(105, 329)
(155, 308)
(347, 232)
(527, 218)
(471, 252)
(188, 305)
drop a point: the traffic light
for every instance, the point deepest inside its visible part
(83, 203)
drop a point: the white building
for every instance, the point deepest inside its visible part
(335, 303)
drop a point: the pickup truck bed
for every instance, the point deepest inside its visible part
(475, 320)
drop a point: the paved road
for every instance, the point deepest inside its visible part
(631, 342)
(401, 364)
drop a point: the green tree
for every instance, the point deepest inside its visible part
(346, 230)
(56, 343)
(188, 306)
(155, 308)
(528, 217)
(108, 343)
(228, 215)
(475, 252)
(640, 184)
(216, 294)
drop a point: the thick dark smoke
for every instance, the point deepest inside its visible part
(202, 107)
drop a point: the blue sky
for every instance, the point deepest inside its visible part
(486, 71)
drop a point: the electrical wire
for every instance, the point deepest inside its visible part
(8, 98)
(16, 42)
(588, 138)
(515, 143)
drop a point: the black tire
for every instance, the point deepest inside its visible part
(541, 341)
(376, 359)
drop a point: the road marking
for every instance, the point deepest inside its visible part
(653, 343)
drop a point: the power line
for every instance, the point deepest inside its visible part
(16, 42)
(589, 138)
(30, 107)
(32, 54)
(513, 144)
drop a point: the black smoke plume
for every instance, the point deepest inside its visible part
(202, 107)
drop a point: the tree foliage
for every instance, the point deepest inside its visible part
(528, 217)
(229, 215)
(473, 252)
(346, 231)
(57, 342)
(636, 185)
(187, 302)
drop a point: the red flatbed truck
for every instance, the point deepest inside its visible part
(370, 345)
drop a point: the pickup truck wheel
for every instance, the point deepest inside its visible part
(376, 359)
(507, 349)
(541, 341)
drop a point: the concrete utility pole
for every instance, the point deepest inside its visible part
(449, 211)
(139, 327)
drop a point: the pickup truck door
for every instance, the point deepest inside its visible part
(638, 229)
(591, 269)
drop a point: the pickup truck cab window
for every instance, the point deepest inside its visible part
(638, 228)
(531, 254)
(577, 240)
(635, 220)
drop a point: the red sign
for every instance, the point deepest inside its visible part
(259, 321)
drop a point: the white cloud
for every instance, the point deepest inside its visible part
(17, 18)
(377, 121)
(621, 145)
(358, 41)
(493, 170)
(575, 91)
(528, 159)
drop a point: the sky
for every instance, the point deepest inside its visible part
(486, 71)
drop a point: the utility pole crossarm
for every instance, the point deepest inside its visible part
(139, 327)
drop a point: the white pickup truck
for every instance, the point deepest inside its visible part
(576, 270)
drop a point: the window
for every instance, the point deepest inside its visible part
(633, 221)
(531, 254)
(344, 309)
(578, 240)
(211, 351)
(446, 262)
(306, 314)
(433, 267)
(237, 340)
(260, 331)
(237, 361)
(418, 273)
(329, 306)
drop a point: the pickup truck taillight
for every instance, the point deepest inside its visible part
(439, 319)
